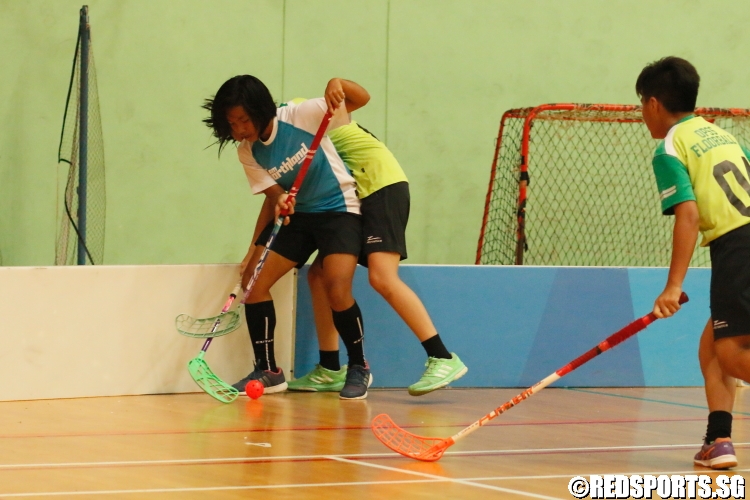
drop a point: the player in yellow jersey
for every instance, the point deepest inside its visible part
(702, 176)
(384, 191)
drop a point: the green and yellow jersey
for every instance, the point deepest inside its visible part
(371, 163)
(701, 162)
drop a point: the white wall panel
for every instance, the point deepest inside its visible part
(84, 331)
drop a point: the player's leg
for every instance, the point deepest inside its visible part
(717, 451)
(730, 301)
(384, 279)
(292, 245)
(442, 367)
(338, 273)
(339, 241)
(724, 341)
(328, 337)
(328, 375)
(720, 385)
(260, 316)
(385, 215)
(734, 355)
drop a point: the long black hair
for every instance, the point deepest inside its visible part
(242, 90)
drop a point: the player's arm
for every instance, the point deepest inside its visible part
(353, 95)
(684, 237)
(678, 199)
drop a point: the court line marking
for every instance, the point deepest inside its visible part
(209, 461)
(313, 485)
(432, 476)
(653, 473)
(353, 427)
(649, 400)
(224, 488)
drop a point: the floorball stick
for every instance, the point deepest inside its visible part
(292, 194)
(198, 368)
(430, 449)
(202, 328)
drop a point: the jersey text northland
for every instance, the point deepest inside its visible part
(288, 164)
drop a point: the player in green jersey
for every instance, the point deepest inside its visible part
(384, 191)
(702, 176)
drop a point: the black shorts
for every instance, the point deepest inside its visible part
(384, 216)
(730, 283)
(326, 232)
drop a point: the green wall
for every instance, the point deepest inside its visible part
(440, 72)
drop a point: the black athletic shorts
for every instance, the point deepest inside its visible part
(384, 216)
(730, 283)
(326, 232)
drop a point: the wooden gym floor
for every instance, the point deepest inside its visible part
(307, 445)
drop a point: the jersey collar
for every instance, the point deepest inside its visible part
(682, 120)
(273, 132)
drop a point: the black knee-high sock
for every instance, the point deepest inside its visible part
(719, 426)
(261, 322)
(350, 327)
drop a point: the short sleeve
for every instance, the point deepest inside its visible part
(307, 115)
(673, 182)
(257, 176)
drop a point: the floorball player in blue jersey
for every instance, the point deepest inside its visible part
(271, 145)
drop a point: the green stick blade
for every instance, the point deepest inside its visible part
(210, 383)
(204, 327)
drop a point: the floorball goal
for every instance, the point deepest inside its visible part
(572, 185)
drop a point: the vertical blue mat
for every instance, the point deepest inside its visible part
(586, 306)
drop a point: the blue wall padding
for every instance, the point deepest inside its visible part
(586, 306)
(669, 349)
(515, 325)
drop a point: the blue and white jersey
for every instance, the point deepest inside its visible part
(328, 185)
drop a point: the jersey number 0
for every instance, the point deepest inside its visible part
(723, 168)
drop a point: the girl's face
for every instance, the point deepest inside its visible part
(243, 128)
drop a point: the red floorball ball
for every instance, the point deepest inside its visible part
(254, 389)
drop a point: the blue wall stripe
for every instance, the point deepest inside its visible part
(586, 306)
(515, 325)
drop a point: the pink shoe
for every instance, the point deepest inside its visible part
(716, 455)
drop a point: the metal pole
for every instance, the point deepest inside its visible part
(84, 34)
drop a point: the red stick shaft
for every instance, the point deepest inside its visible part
(308, 158)
(292, 194)
(608, 343)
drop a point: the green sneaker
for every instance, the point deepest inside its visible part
(320, 380)
(439, 373)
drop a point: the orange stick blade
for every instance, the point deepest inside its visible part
(427, 449)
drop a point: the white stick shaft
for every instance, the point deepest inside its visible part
(554, 377)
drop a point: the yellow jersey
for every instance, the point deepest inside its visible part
(701, 162)
(372, 164)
